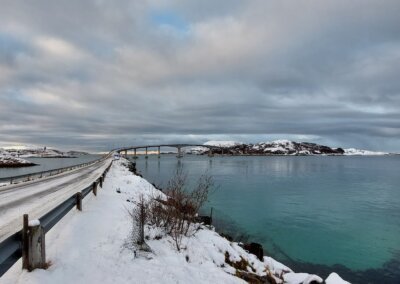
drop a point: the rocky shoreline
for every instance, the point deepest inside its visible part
(9, 161)
(16, 165)
(277, 273)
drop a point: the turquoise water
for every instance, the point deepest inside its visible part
(316, 214)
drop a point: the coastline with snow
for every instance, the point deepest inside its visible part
(103, 255)
(15, 157)
(7, 160)
(278, 148)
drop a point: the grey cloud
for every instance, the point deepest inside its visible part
(95, 74)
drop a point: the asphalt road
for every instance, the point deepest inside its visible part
(40, 196)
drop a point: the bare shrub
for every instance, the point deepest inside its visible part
(177, 214)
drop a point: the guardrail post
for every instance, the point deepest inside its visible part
(79, 201)
(33, 245)
(101, 181)
(95, 188)
(25, 246)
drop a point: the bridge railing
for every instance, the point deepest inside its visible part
(11, 249)
(33, 176)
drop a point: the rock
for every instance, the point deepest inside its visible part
(256, 249)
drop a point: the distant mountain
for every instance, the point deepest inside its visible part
(277, 147)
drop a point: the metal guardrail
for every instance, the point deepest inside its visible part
(11, 248)
(33, 176)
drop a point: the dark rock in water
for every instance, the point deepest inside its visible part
(206, 220)
(226, 236)
(132, 167)
(255, 249)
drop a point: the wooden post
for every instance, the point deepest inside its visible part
(146, 154)
(101, 181)
(95, 188)
(33, 245)
(37, 251)
(25, 245)
(79, 201)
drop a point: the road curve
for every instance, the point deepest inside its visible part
(40, 196)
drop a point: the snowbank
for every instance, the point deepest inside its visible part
(333, 278)
(92, 247)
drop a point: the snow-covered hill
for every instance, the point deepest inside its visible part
(278, 147)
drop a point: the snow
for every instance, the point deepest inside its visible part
(358, 152)
(301, 278)
(33, 223)
(93, 246)
(334, 278)
(222, 143)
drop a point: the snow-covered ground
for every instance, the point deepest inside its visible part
(92, 247)
(358, 152)
(7, 159)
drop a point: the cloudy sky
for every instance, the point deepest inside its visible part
(99, 74)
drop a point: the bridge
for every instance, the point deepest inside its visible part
(211, 149)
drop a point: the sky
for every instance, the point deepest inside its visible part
(95, 75)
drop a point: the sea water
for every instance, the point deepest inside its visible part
(45, 164)
(315, 214)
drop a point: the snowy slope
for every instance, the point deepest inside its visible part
(92, 247)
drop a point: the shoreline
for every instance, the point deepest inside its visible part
(225, 230)
(225, 227)
(19, 165)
